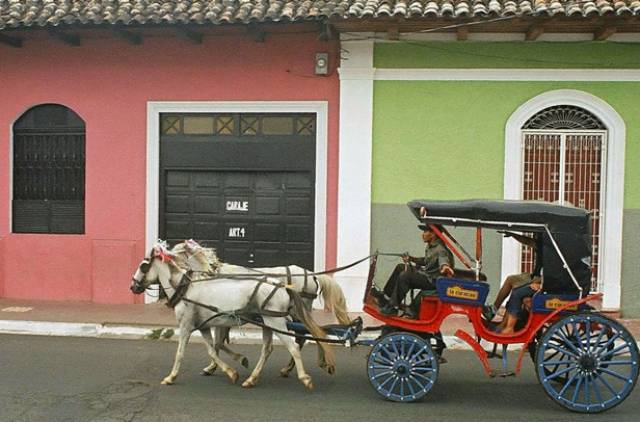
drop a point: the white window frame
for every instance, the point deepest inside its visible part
(152, 202)
(611, 226)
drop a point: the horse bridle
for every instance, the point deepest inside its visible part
(144, 268)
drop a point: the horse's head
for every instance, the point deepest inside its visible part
(154, 268)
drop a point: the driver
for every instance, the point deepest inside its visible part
(437, 260)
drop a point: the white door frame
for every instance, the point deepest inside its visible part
(154, 108)
(611, 234)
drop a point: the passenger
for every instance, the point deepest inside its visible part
(437, 260)
(520, 286)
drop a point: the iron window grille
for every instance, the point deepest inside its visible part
(48, 171)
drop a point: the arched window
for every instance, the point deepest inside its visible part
(564, 156)
(48, 171)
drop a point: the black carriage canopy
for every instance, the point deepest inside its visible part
(569, 226)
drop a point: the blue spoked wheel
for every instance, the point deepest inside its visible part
(587, 362)
(402, 367)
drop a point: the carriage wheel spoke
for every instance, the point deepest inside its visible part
(567, 384)
(422, 361)
(569, 343)
(384, 358)
(605, 383)
(415, 374)
(596, 389)
(563, 351)
(393, 385)
(557, 362)
(576, 391)
(558, 373)
(417, 381)
(381, 374)
(593, 347)
(395, 349)
(422, 369)
(613, 374)
(419, 353)
(410, 351)
(610, 341)
(391, 377)
(411, 389)
(620, 362)
(613, 352)
(587, 390)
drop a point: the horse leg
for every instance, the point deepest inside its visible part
(284, 372)
(185, 334)
(267, 348)
(322, 363)
(220, 335)
(238, 357)
(292, 347)
(211, 349)
(211, 368)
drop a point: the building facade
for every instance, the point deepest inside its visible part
(229, 140)
(296, 133)
(552, 121)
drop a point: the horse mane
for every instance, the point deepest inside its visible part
(192, 250)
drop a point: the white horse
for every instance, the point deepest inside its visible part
(223, 298)
(203, 262)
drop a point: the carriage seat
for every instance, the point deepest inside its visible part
(458, 274)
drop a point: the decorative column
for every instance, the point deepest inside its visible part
(354, 183)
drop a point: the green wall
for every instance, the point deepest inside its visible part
(510, 55)
(445, 139)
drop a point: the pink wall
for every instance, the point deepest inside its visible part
(108, 83)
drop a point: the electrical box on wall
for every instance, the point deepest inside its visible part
(322, 63)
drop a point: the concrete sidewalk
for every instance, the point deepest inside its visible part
(85, 319)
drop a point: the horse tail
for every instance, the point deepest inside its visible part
(313, 327)
(334, 299)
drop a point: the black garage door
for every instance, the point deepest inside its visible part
(242, 183)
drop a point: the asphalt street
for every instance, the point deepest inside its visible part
(79, 379)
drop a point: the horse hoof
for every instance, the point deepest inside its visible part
(284, 373)
(206, 373)
(248, 384)
(245, 362)
(308, 384)
(166, 381)
(331, 369)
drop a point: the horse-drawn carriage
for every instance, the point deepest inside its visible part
(585, 361)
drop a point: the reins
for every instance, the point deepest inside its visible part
(253, 275)
(241, 316)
